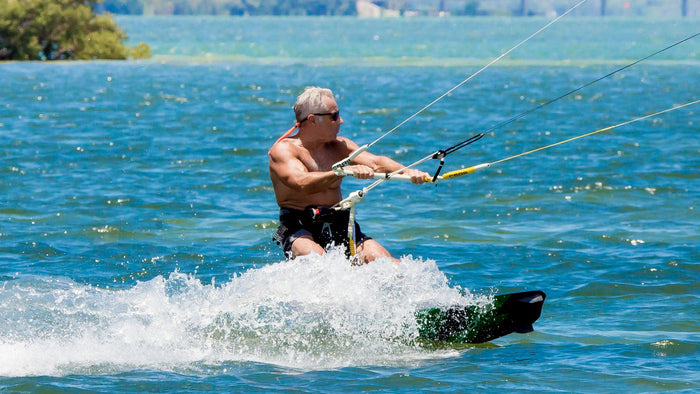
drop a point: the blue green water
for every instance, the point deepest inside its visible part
(136, 213)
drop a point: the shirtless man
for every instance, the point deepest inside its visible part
(306, 186)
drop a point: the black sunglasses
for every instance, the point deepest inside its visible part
(334, 115)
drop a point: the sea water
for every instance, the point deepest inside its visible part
(136, 212)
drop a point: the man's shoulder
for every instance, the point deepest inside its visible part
(288, 147)
(291, 148)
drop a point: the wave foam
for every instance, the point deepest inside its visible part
(315, 312)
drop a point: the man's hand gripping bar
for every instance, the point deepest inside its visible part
(447, 175)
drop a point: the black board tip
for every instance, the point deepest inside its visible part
(509, 313)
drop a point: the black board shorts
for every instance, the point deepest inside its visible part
(326, 226)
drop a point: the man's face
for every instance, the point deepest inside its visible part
(325, 123)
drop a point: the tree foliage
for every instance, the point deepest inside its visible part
(58, 29)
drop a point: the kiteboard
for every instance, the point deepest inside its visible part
(509, 313)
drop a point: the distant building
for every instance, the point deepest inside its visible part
(366, 9)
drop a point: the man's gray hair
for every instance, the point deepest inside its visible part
(311, 101)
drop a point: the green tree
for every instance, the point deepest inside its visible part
(58, 29)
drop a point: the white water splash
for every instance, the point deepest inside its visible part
(316, 312)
